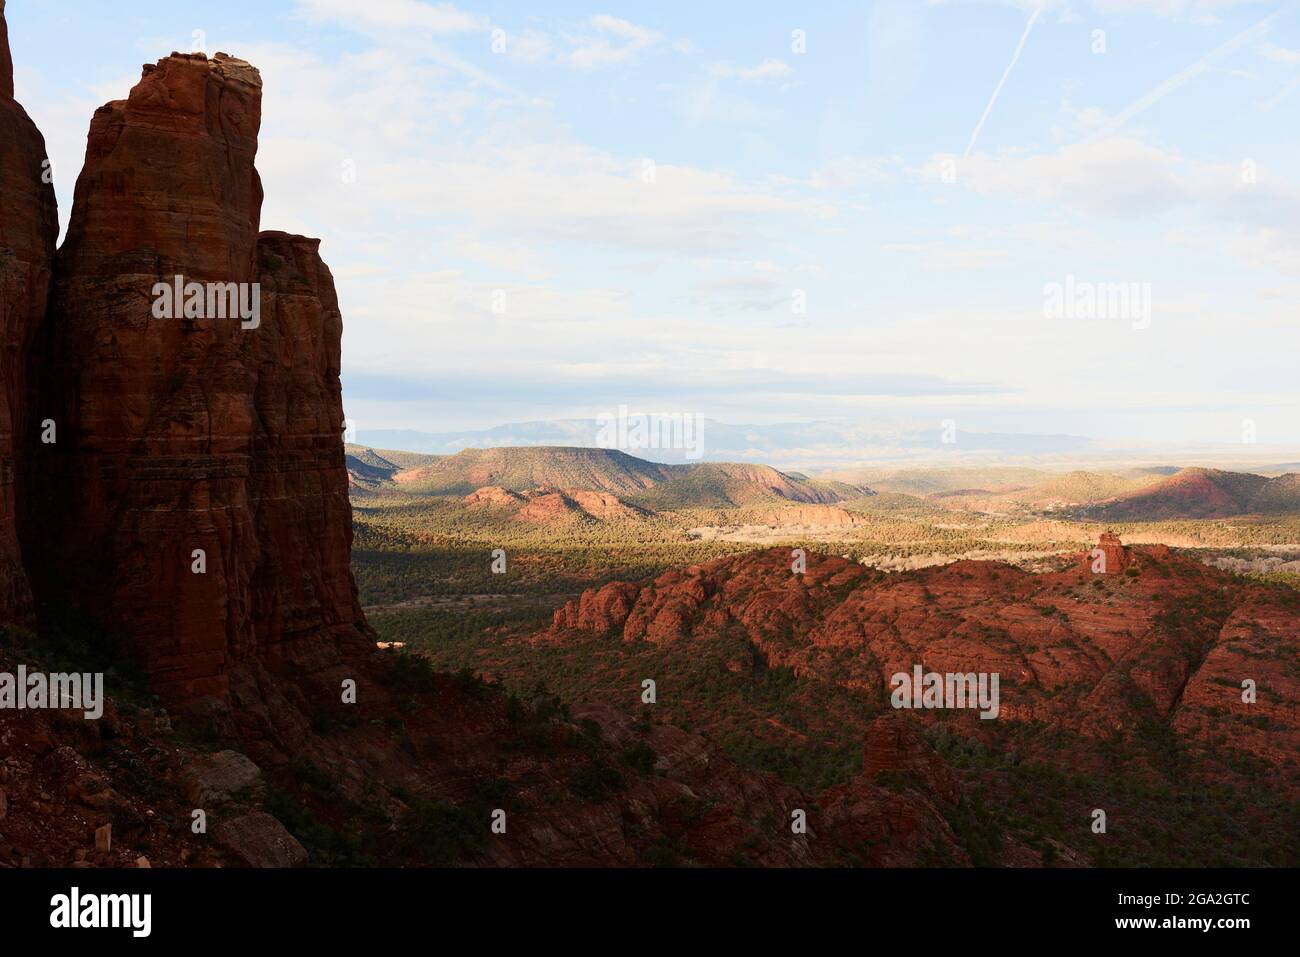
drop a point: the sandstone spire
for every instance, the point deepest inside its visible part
(195, 504)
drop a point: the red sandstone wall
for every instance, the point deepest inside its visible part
(28, 230)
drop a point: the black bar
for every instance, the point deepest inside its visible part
(205, 907)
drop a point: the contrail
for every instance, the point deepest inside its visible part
(1182, 78)
(1282, 94)
(998, 89)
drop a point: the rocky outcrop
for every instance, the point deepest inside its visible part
(603, 505)
(493, 496)
(1087, 654)
(195, 502)
(1170, 679)
(599, 610)
(28, 230)
(548, 506)
(1110, 557)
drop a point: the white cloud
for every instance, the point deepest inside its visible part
(940, 258)
(1282, 94)
(709, 101)
(529, 46)
(1119, 176)
(1202, 11)
(505, 259)
(442, 18)
(1059, 235)
(770, 69)
(848, 172)
(1249, 214)
(637, 35)
(1263, 248)
(594, 52)
(1277, 54)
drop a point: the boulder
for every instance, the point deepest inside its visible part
(259, 840)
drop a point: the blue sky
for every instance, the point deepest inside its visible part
(554, 214)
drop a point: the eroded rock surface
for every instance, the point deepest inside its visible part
(28, 230)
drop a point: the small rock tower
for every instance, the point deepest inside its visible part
(1110, 557)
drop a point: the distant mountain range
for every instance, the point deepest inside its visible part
(644, 484)
(606, 484)
(821, 447)
(1154, 494)
(810, 444)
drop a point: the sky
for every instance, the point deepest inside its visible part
(1075, 216)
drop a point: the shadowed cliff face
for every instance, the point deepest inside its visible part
(302, 584)
(194, 503)
(28, 230)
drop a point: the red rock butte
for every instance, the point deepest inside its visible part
(194, 501)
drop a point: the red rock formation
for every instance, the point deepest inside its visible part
(548, 508)
(815, 516)
(1075, 651)
(1110, 557)
(187, 435)
(599, 610)
(551, 505)
(28, 229)
(493, 496)
(602, 505)
(304, 600)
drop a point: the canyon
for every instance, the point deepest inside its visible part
(176, 519)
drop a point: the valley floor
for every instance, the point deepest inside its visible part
(1176, 780)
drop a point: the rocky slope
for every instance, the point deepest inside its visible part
(1117, 689)
(525, 469)
(553, 506)
(1198, 493)
(28, 230)
(1084, 652)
